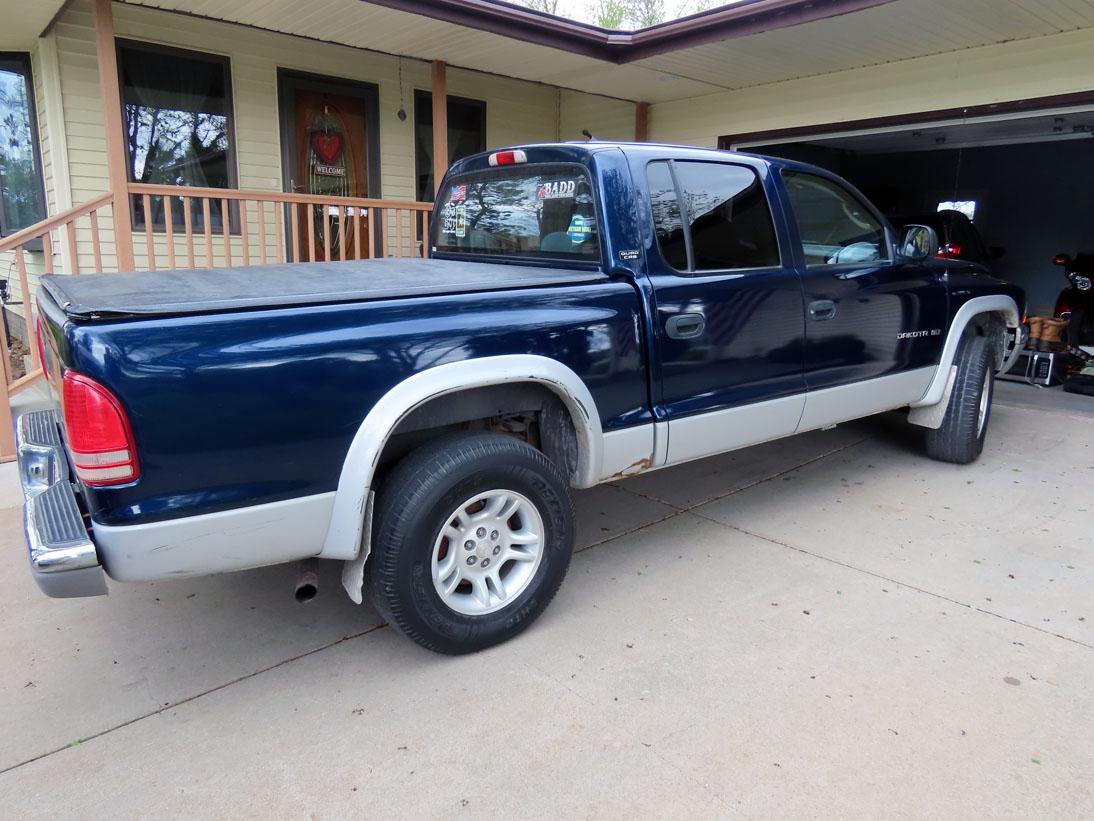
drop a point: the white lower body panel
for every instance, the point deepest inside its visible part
(830, 406)
(708, 434)
(705, 434)
(235, 539)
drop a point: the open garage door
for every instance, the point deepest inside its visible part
(1023, 176)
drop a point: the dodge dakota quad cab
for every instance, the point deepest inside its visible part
(588, 312)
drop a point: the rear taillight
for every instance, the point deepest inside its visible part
(99, 434)
(950, 251)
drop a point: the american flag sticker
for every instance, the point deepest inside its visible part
(459, 193)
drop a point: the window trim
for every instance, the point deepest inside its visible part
(225, 62)
(425, 96)
(691, 272)
(887, 238)
(20, 62)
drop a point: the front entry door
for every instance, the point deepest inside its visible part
(329, 127)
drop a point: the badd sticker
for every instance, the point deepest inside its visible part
(557, 190)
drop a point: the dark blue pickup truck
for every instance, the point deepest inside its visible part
(589, 312)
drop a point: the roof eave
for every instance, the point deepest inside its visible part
(739, 20)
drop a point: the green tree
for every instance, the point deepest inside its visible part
(628, 14)
(631, 14)
(611, 14)
(548, 6)
(643, 13)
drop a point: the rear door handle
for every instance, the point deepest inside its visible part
(822, 309)
(685, 326)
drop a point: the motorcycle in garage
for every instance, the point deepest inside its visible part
(1075, 305)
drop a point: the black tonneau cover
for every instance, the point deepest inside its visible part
(204, 290)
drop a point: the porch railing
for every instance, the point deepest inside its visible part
(181, 227)
(217, 227)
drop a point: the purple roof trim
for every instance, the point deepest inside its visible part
(739, 20)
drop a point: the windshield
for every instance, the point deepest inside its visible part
(531, 211)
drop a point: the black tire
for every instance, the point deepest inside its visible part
(961, 437)
(417, 500)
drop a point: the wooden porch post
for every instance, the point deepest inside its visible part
(440, 123)
(641, 122)
(7, 423)
(115, 142)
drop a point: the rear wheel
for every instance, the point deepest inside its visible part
(474, 533)
(960, 439)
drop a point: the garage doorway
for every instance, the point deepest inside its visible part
(1022, 172)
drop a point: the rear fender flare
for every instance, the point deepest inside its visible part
(345, 533)
(997, 304)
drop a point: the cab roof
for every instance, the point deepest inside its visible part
(581, 150)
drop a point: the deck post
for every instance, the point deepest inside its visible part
(110, 92)
(641, 122)
(7, 423)
(440, 123)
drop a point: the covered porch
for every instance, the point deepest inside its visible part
(173, 138)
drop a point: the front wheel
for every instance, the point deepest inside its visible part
(960, 439)
(473, 536)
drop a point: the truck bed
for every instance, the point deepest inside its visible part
(206, 290)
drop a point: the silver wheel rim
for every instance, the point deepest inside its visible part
(985, 396)
(487, 552)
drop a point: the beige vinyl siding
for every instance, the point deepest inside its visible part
(1043, 66)
(516, 111)
(603, 117)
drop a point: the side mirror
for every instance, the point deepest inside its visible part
(1062, 259)
(996, 252)
(918, 243)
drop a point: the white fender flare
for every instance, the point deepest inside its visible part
(977, 305)
(345, 537)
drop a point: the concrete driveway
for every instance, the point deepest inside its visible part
(827, 626)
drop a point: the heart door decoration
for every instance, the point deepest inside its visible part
(328, 146)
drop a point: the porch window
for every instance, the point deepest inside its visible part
(23, 193)
(466, 135)
(177, 115)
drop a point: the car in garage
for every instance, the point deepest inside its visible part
(958, 236)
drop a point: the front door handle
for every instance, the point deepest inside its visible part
(822, 309)
(685, 326)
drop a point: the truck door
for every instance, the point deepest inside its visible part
(728, 319)
(873, 324)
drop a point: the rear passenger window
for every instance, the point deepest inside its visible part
(728, 223)
(835, 227)
(728, 216)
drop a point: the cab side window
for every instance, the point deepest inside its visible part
(667, 221)
(835, 227)
(725, 223)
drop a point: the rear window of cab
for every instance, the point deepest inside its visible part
(544, 211)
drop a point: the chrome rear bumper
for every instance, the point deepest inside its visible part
(63, 558)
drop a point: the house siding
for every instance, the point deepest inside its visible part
(1023, 69)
